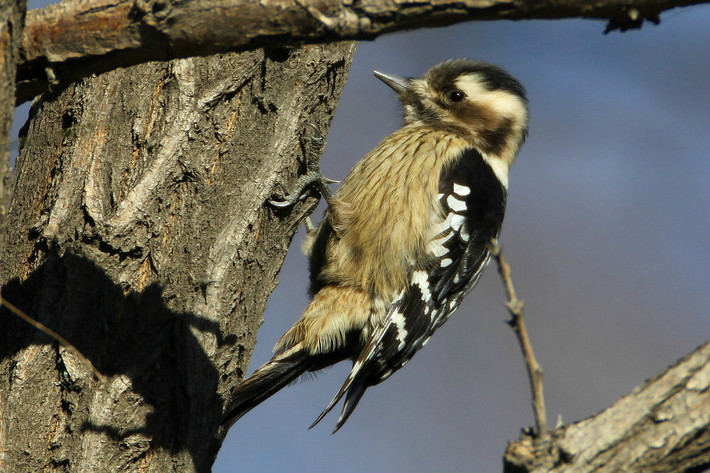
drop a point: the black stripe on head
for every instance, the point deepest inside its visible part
(443, 76)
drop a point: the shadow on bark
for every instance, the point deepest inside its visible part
(130, 334)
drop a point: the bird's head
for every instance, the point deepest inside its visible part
(478, 101)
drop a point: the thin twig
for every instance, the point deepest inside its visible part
(515, 308)
(43, 328)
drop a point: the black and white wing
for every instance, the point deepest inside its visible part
(473, 200)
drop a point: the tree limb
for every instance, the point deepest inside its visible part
(660, 427)
(76, 38)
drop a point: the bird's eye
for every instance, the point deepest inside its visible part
(456, 95)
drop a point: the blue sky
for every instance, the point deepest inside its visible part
(607, 233)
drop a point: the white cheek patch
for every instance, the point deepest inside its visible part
(505, 104)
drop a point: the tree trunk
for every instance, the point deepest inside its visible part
(12, 20)
(138, 230)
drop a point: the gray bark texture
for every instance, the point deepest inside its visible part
(138, 230)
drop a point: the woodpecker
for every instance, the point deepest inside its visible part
(406, 236)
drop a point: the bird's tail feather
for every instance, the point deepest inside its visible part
(353, 389)
(353, 397)
(264, 382)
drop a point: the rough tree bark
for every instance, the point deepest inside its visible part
(12, 19)
(139, 232)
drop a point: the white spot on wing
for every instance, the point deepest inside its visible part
(445, 262)
(443, 225)
(455, 204)
(420, 278)
(461, 190)
(457, 221)
(398, 321)
(437, 248)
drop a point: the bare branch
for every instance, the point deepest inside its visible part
(70, 40)
(515, 308)
(662, 426)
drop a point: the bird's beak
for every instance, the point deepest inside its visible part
(399, 84)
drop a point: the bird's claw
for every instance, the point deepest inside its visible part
(311, 140)
(311, 135)
(281, 204)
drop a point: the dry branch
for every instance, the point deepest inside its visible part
(663, 426)
(517, 322)
(76, 38)
(660, 427)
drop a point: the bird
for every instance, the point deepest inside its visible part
(405, 237)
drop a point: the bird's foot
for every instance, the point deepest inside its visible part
(311, 145)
